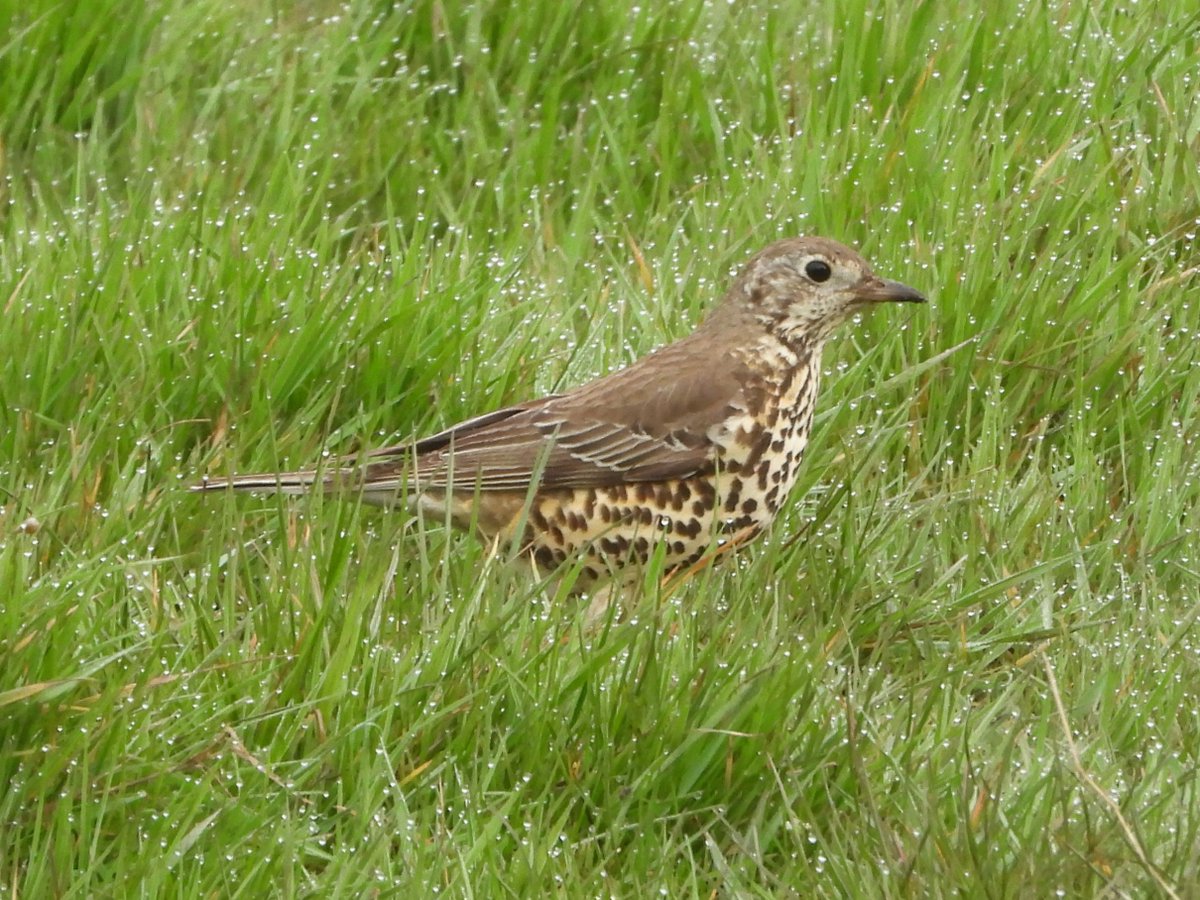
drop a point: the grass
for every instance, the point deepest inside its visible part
(237, 235)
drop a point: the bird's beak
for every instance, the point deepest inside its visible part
(881, 290)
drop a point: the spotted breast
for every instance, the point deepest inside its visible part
(757, 448)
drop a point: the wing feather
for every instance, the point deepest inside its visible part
(648, 422)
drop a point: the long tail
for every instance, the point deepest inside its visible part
(380, 484)
(280, 482)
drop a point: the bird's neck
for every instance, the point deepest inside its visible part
(801, 335)
(804, 335)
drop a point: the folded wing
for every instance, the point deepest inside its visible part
(649, 422)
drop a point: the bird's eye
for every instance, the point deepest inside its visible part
(818, 270)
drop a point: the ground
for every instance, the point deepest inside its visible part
(235, 236)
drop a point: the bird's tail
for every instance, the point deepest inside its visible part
(302, 482)
(379, 484)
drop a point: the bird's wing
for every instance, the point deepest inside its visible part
(649, 422)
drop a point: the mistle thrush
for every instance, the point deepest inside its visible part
(694, 445)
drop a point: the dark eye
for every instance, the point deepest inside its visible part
(818, 270)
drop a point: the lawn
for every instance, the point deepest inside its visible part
(235, 236)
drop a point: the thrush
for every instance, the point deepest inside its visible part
(694, 445)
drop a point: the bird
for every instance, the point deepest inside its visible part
(691, 448)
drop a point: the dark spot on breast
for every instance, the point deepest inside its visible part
(749, 505)
(675, 493)
(733, 526)
(547, 557)
(734, 496)
(761, 443)
(614, 545)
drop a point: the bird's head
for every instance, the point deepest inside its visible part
(803, 288)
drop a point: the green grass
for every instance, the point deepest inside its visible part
(234, 236)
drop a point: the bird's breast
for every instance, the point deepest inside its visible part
(761, 443)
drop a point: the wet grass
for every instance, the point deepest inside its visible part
(235, 236)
